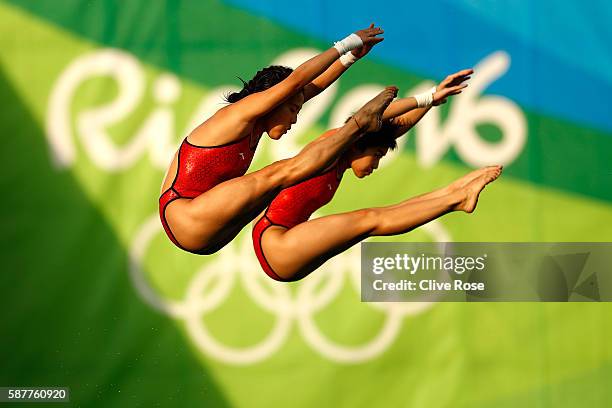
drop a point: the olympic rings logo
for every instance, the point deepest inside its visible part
(238, 263)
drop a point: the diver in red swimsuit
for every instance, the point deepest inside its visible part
(289, 246)
(201, 168)
(206, 197)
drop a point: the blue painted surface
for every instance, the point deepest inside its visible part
(435, 38)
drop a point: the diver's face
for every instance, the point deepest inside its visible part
(279, 121)
(363, 163)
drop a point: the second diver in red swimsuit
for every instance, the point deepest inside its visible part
(289, 246)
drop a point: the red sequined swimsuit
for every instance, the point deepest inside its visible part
(295, 205)
(200, 168)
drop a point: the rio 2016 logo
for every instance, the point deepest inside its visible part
(158, 137)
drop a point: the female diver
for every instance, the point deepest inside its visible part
(289, 246)
(206, 198)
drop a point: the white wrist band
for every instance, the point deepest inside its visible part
(347, 59)
(349, 43)
(425, 99)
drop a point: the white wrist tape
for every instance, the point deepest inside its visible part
(425, 99)
(349, 43)
(347, 59)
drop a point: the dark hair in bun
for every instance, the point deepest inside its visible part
(384, 137)
(264, 79)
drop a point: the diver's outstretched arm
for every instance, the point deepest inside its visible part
(258, 104)
(405, 113)
(338, 68)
